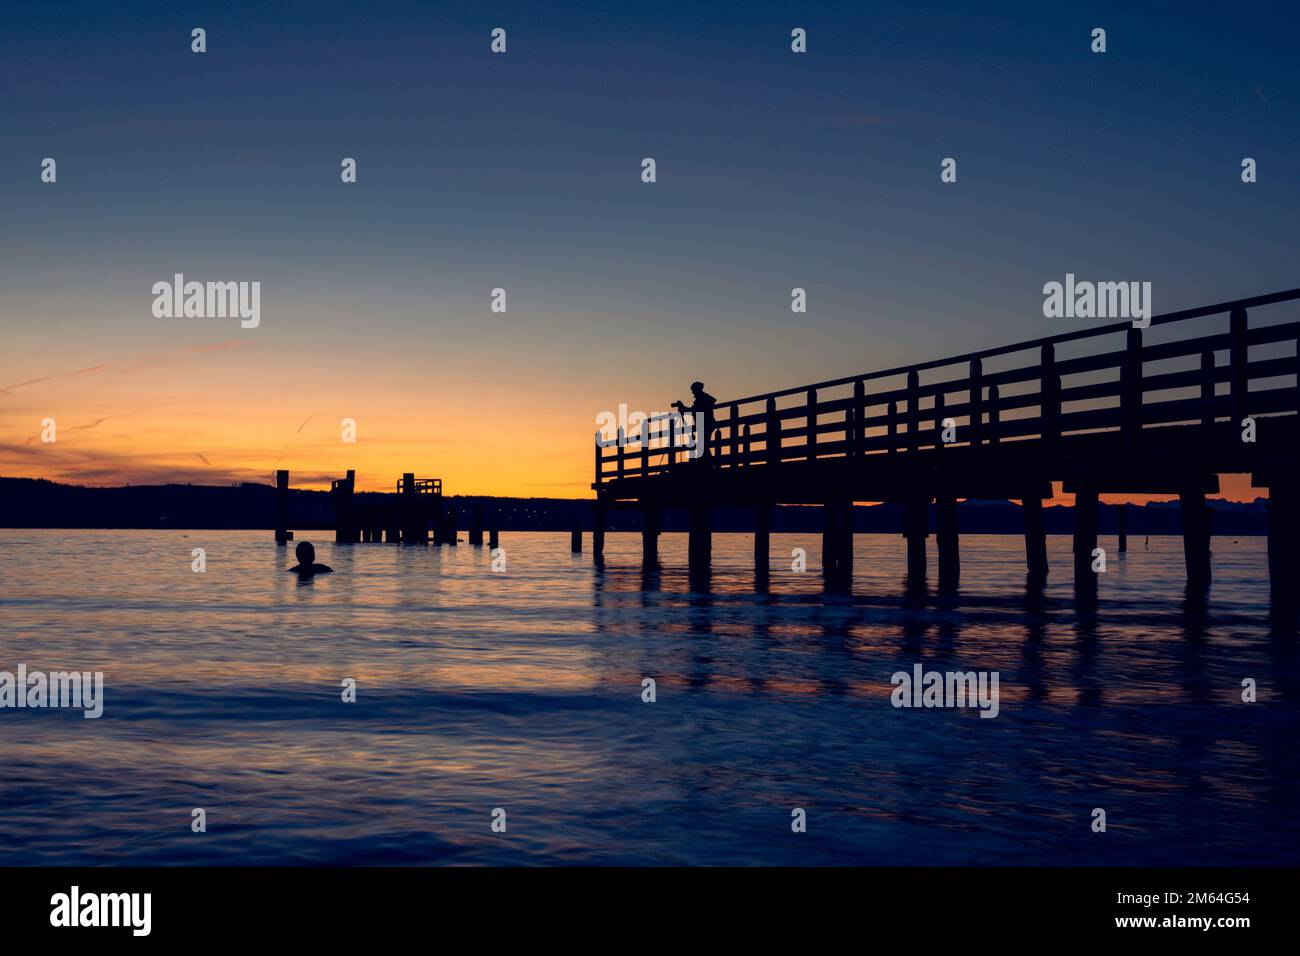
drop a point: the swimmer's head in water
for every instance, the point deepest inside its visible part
(306, 554)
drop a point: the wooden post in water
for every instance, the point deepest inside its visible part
(414, 522)
(494, 537)
(762, 541)
(1085, 537)
(699, 546)
(1121, 517)
(476, 525)
(1035, 536)
(345, 519)
(598, 533)
(837, 542)
(575, 539)
(282, 506)
(948, 539)
(1196, 536)
(450, 529)
(651, 520)
(1284, 544)
(916, 528)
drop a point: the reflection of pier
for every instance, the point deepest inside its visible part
(409, 514)
(1111, 409)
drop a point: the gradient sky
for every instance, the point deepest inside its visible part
(523, 171)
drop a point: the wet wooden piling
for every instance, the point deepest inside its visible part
(1035, 537)
(1196, 536)
(282, 506)
(699, 546)
(947, 538)
(598, 534)
(651, 525)
(837, 542)
(762, 541)
(476, 525)
(1085, 536)
(345, 519)
(916, 528)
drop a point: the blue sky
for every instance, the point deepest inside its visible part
(775, 170)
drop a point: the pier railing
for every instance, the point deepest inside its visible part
(1197, 366)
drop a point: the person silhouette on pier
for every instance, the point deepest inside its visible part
(307, 565)
(701, 410)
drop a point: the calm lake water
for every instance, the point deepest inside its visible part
(522, 690)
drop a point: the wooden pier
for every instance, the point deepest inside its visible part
(1110, 409)
(415, 512)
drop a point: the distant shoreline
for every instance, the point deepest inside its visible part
(34, 503)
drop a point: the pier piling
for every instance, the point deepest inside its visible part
(1035, 537)
(598, 534)
(281, 506)
(837, 542)
(1196, 536)
(651, 522)
(916, 528)
(1284, 543)
(1085, 536)
(947, 538)
(476, 525)
(762, 541)
(700, 538)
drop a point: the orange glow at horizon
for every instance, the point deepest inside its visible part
(224, 412)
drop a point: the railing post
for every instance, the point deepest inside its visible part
(812, 424)
(995, 415)
(622, 447)
(746, 460)
(938, 421)
(1130, 394)
(645, 447)
(859, 436)
(735, 434)
(1207, 392)
(1240, 374)
(598, 456)
(772, 434)
(975, 396)
(893, 427)
(713, 443)
(1050, 397)
(672, 441)
(913, 409)
(1295, 404)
